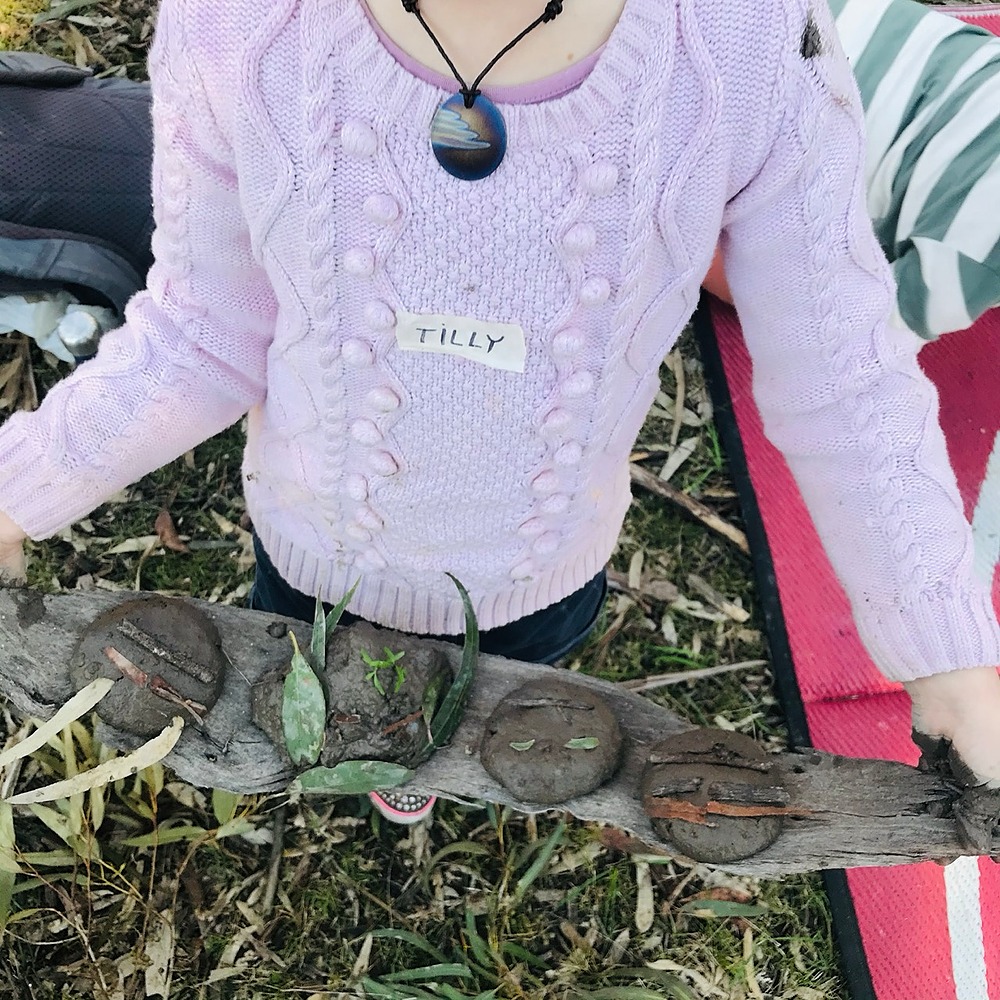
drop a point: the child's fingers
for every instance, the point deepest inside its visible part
(12, 565)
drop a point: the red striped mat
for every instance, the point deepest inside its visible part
(928, 933)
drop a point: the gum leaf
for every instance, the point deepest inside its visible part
(582, 743)
(523, 745)
(351, 777)
(303, 710)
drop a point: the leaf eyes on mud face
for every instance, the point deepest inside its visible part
(582, 743)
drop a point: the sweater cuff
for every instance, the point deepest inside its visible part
(38, 497)
(933, 635)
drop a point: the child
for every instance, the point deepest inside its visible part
(446, 348)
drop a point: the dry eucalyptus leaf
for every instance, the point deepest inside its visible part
(166, 531)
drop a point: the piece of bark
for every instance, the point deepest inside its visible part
(857, 812)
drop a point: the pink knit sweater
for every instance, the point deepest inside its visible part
(306, 236)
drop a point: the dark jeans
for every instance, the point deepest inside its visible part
(542, 637)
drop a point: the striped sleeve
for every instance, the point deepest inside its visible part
(930, 86)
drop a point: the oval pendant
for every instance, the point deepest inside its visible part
(468, 142)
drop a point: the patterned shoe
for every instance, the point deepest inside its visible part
(402, 807)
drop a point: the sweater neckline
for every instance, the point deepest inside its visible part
(531, 92)
(409, 102)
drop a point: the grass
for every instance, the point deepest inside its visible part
(490, 902)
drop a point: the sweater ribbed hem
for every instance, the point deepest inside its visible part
(933, 635)
(386, 601)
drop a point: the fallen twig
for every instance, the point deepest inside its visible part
(664, 680)
(706, 515)
(653, 590)
(274, 864)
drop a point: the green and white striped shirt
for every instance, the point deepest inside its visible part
(931, 92)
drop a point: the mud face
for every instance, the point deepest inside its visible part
(525, 743)
(362, 723)
(170, 662)
(686, 773)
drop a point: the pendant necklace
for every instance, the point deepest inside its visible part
(468, 133)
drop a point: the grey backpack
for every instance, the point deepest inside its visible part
(75, 166)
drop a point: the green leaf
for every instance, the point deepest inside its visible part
(338, 609)
(428, 706)
(722, 908)
(234, 828)
(167, 835)
(224, 805)
(449, 715)
(522, 745)
(303, 710)
(582, 743)
(351, 777)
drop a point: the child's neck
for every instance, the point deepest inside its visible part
(472, 32)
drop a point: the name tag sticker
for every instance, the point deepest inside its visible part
(498, 345)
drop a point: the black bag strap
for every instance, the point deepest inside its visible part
(34, 69)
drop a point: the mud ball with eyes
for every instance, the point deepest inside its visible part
(550, 741)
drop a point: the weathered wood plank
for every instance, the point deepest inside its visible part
(864, 812)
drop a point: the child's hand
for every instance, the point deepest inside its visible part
(956, 722)
(12, 568)
(963, 706)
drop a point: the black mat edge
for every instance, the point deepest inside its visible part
(847, 934)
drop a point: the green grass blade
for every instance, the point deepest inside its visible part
(468, 847)
(628, 993)
(673, 987)
(519, 954)
(450, 993)
(338, 609)
(400, 934)
(541, 862)
(317, 641)
(384, 991)
(303, 710)
(429, 973)
(449, 715)
(480, 949)
(9, 871)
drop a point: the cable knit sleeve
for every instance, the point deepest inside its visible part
(190, 358)
(838, 386)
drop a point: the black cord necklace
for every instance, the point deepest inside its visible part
(468, 133)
